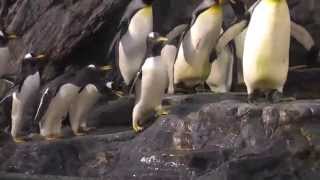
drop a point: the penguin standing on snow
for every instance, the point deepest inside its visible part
(129, 44)
(192, 65)
(154, 81)
(59, 94)
(25, 95)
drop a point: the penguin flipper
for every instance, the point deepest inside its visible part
(133, 84)
(230, 34)
(302, 35)
(306, 40)
(46, 97)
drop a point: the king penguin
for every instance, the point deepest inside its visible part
(154, 81)
(266, 49)
(129, 44)
(192, 65)
(58, 96)
(25, 95)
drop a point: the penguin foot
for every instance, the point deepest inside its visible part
(277, 97)
(53, 137)
(254, 97)
(119, 93)
(79, 133)
(19, 140)
(136, 127)
(162, 112)
(87, 129)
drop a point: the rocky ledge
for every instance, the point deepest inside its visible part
(205, 136)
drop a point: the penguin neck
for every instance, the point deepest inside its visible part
(85, 77)
(273, 1)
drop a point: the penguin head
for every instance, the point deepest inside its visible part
(5, 37)
(90, 74)
(155, 43)
(147, 2)
(31, 62)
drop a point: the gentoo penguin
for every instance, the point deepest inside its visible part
(56, 98)
(192, 65)
(154, 81)
(266, 49)
(129, 44)
(25, 96)
(86, 99)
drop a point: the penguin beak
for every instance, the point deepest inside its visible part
(40, 57)
(106, 68)
(12, 36)
(162, 39)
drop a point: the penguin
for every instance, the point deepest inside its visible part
(221, 76)
(25, 95)
(129, 44)
(192, 65)
(238, 32)
(266, 49)
(5, 55)
(58, 96)
(84, 102)
(153, 82)
(170, 50)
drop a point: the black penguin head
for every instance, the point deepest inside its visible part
(147, 2)
(90, 74)
(155, 43)
(5, 37)
(31, 62)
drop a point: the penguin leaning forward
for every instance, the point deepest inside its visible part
(129, 44)
(154, 81)
(192, 65)
(25, 95)
(58, 96)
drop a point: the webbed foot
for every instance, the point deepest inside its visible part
(53, 137)
(19, 140)
(136, 127)
(277, 97)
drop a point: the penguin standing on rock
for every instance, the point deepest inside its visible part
(266, 49)
(192, 65)
(25, 95)
(154, 81)
(129, 44)
(58, 96)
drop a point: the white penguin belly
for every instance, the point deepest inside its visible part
(168, 55)
(82, 106)
(51, 122)
(132, 46)
(23, 101)
(266, 48)
(220, 78)
(154, 82)
(192, 65)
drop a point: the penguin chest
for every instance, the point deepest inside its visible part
(132, 46)
(192, 63)
(220, 78)
(266, 48)
(154, 82)
(27, 96)
(59, 105)
(84, 102)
